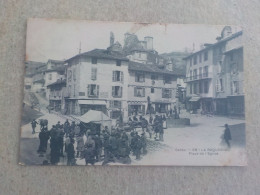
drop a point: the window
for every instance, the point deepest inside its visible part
(200, 57)
(190, 88)
(167, 79)
(195, 73)
(94, 60)
(200, 87)
(205, 55)
(117, 91)
(200, 72)
(139, 92)
(93, 73)
(139, 77)
(195, 60)
(206, 71)
(118, 76)
(195, 88)
(115, 104)
(206, 87)
(152, 90)
(50, 76)
(93, 90)
(235, 87)
(154, 77)
(118, 62)
(219, 85)
(166, 93)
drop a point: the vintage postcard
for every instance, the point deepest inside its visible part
(116, 93)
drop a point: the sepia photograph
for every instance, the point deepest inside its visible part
(123, 93)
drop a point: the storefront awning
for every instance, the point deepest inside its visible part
(92, 102)
(194, 99)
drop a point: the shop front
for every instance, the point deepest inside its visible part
(236, 105)
(136, 108)
(207, 106)
(86, 105)
(193, 104)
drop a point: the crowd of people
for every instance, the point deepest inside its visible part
(79, 141)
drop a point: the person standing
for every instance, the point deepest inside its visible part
(98, 147)
(80, 145)
(33, 123)
(227, 135)
(89, 151)
(71, 153)
(54, 145)
(144, 143)
(138, 146)
(66, 127)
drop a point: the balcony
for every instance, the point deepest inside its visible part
(199, 77)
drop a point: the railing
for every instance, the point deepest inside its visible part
(198, 77)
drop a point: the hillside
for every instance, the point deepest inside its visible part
(177, 60)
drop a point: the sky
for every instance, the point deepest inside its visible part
(62, 39)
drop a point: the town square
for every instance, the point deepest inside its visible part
(127, 96)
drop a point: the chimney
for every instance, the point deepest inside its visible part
(144, 44)
(112, 38)
(149, 42)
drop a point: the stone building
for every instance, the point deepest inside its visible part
(56, 94)
(97, 80)
(211, 81)
(149, 84)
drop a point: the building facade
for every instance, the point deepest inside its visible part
(56, 95)
(214, 76)
(97, 80)
(150, 89)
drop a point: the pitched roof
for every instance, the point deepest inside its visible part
(214, 44)
(58, 82)
(56, 61)
(56, 69)
(135, 66)
(103, 54)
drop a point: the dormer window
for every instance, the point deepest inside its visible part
(118, 62)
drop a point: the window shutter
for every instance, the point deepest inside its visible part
(122, 77)
(88, 90)
(170, 93)
(121, 91)
(163, 93)
(143, 77)
(143, 92)
(135, 92)
(136, 77)
(97, 90)
(113, 91)
(111, 103)
(114, 76)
